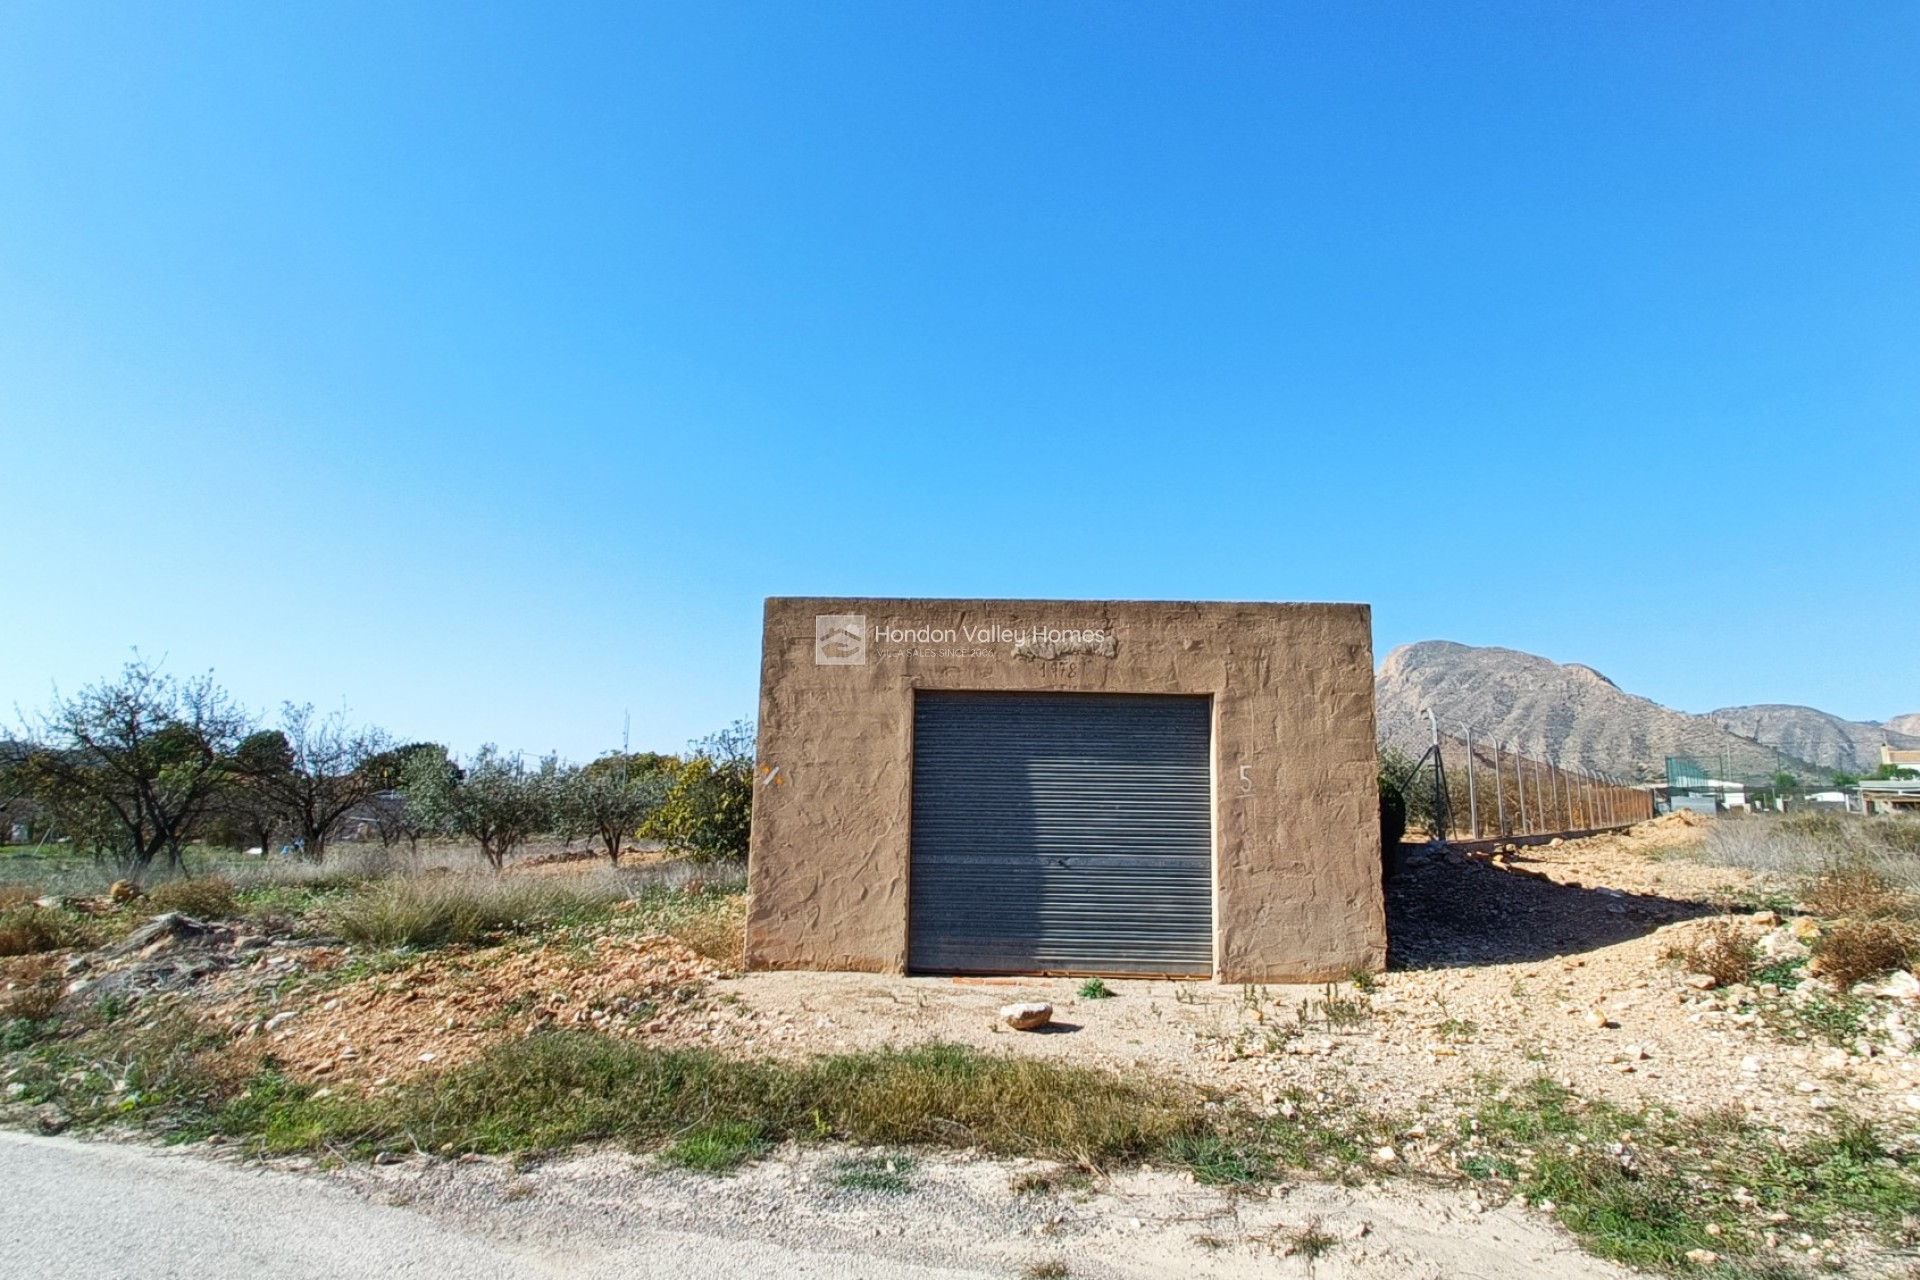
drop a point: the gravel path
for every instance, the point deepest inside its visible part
(104, 1211)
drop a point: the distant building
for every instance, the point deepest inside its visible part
(1893, 795)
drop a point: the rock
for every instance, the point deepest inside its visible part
(51, 1119)
(1781, 945)
(1750, 1066)
(1597, 1020)
(279, 1020)
(1702, 1257)
(1699, 981)
(1027, 1015)
(123, 891)
(162, 933)
(1901, 985)
(1767, 918)
(1804, 928)
(1385, 1155)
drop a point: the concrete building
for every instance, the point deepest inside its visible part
(1032, 786)
(1893, 795)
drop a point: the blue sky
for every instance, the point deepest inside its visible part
(483, 371)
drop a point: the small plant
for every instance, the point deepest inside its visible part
(1723, 951)
(1095, 989)
(204, 897)
(1856, 950)
(886, 1174)
(1222, 1162)
(1049, 1181)
(717, 1148)
(1051, 1269)
(1333, 1010)
(1456, 1029)
(1364, 980)
(1309, 1241)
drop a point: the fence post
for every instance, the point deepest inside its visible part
(1439, 781)
(1473, 800)
(1520, 788)
(1499, 790)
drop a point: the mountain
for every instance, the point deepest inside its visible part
(1568, 712)
(1909, 725)
(1815, 736)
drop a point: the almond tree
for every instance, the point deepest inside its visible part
(312, 772)
(129, 766)
(496, 801)
(610, 799)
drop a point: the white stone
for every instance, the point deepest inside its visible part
(1027, 1015)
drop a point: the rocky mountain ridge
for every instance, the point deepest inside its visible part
(1576, 716)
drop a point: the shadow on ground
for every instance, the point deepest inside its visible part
(1446, 909)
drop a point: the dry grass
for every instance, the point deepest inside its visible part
(1855, 888)
(434, 911)
(1722, 950)
(204, 897)
(26, 931)
(1855, 950)
(16, 895)
(717, 931)
(41, 1000)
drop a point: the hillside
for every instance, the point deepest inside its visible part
(1909, 725)
(1815, 736)
(1569, 712)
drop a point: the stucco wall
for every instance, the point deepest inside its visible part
(1296, 814)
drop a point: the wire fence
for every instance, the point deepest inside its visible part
(1473, 786)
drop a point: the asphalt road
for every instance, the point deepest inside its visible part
(92, 1211)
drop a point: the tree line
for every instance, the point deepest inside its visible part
(135, 769)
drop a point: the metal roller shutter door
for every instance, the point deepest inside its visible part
(1061, 833)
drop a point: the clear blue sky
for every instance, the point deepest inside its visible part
(483, 371)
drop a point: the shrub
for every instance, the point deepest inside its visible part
(35, 1003)
(706, 813)
(1856, 950)
(25, 931)
(1722, 950)
(1855, 888)
(206, 897)
(16, 895)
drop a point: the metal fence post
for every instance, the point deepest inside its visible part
(1473, 800)
(1499, 789)
(1520, 789)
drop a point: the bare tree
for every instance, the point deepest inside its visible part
(128, 766)
(313, 771)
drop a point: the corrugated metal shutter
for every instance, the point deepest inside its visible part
(1061, 833)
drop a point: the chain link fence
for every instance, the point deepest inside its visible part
(1468, 786)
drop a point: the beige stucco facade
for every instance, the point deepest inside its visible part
(1296, 848)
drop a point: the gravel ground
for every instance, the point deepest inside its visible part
(960, 1213)
(1504, 965)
